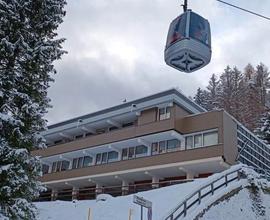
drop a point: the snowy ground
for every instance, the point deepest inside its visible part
(164, 199)
(239, 207)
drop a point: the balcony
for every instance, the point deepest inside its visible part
(200, 160)
(107, 138)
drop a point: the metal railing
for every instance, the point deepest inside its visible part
(90, 193)
(201, 193)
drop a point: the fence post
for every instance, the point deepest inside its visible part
(199, 196)
(185, 208)
(89, 214)
(238, 175)
(226, 180)
(129, 214)
(212, 188)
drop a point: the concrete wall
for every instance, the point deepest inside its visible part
(230, 138)
(148, 116)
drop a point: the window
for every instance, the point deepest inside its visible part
(199, 29)
(197, 140)
(164, 113)
(80, 162)
(141, 151)
(98, 159)
(189, 142)
(65, 165)
(131, 152)
(74, 163)
(154, 148)
(58, 166)
(45, 169)
(112, 156)
(125, 154)
(162, 147)
(87, 161)
(54, 167)
(177, 30)
(104, 157)
(210, 138)
(173, 144)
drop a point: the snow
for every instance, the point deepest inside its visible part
(164, 200)
(117, 208)
(238, 207)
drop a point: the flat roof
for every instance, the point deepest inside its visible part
(192, 107)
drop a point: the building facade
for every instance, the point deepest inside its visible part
(153, 140)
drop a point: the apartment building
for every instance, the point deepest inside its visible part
(159, 138)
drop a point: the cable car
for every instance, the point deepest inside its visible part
(188, 46)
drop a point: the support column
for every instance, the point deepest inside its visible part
(75, 193)
(155, 182)
(54, 194)
(99, 189)
(125, 188)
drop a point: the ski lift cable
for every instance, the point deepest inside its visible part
(248, 11)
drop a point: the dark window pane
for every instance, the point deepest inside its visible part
(177, 30)
(131, 152)
(154, 148)
(173, 144)
(125, 154)
(74, 163)
(112, 156)
(58, 166)
(162, 146)
(54, 167)
(87, 161)
(141, 151)
(45, 169)
(65, 165)
(80, 162)
(104, 157)
(98, 159)
(198, 28)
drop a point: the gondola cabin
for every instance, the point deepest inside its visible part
(188, 46)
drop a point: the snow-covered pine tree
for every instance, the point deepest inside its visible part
(201, 98)
(263, 129)
(27, 50)
(213, 91)
(251, 98)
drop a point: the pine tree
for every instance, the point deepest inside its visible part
(213, 92)
(262, 82)
(253, 107)
(201, 98)
(263, 129)
(27, 50)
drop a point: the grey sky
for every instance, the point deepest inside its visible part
(115, 50)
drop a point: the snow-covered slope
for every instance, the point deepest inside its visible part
(242, 206)
(164, 200)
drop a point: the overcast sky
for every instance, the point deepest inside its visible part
(115, 50)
